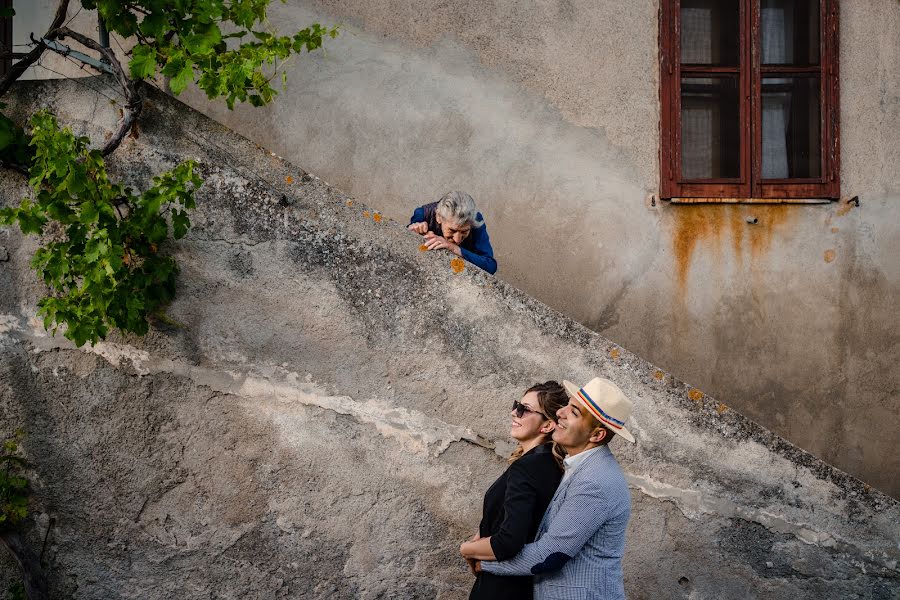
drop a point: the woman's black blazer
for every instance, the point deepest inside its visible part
(513, 508)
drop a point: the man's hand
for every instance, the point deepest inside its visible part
(420, 228)
(472, 562)
(434, 242)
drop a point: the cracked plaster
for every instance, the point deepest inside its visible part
(341, 389)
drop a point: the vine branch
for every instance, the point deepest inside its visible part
(33, 576)
(133, 98)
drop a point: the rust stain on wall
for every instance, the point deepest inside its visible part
(737, 223)
(702, 226)
(843, 208)
(694, 224)
(771, 217)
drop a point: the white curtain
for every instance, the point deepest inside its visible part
(776, 29)
(699, 137)
(697, 35)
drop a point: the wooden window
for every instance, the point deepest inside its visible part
(749, 99)
(6, 43)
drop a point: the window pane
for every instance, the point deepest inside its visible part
(710, 127)
(791, 127)
(710, 32)
(790, 32)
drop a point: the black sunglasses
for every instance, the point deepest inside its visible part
(521, 409)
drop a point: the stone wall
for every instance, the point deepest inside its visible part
(325, 420)
(548, 113)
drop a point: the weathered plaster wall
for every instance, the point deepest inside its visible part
(548, 114)
(326, 420)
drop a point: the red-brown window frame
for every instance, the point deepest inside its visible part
(749, 185)
(6, 41)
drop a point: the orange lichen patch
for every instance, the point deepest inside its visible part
(829, 255)
(366, 214)
(695, 394)
(377, 217)
(457, 264)
(834, 230)
(614, 353)
(349, 202)
(289, 180)
(720, 408)
(423, 248)
(658, 375)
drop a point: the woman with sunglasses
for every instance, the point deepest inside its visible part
(515, 503)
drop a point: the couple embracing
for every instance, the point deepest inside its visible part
(553, 526)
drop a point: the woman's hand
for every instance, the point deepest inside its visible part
(420, 228)
(434, 242)
(470, 561)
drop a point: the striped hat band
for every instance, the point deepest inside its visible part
(598, 412)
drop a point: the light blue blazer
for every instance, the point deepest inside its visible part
(577, 554)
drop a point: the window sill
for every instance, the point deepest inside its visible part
(752, 200)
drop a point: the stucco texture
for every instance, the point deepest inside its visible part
(548, 113)
(325, 419)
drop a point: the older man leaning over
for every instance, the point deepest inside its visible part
(454, 223)
(577, 553)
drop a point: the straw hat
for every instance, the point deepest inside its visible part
(603, 399)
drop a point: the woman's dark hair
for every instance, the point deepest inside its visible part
(551, 397)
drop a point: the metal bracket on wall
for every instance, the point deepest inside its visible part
(67, 51)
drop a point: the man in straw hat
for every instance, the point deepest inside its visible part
(577, 553)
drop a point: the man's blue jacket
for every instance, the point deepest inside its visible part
(577, 554)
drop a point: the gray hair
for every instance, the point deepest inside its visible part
(458, 207)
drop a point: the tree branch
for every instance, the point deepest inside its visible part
(133, 98)
(32, 57)
(33, 575)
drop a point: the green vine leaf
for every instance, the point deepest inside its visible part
(143, 62)
(105, 267)
(102, 254)
(186, 44)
